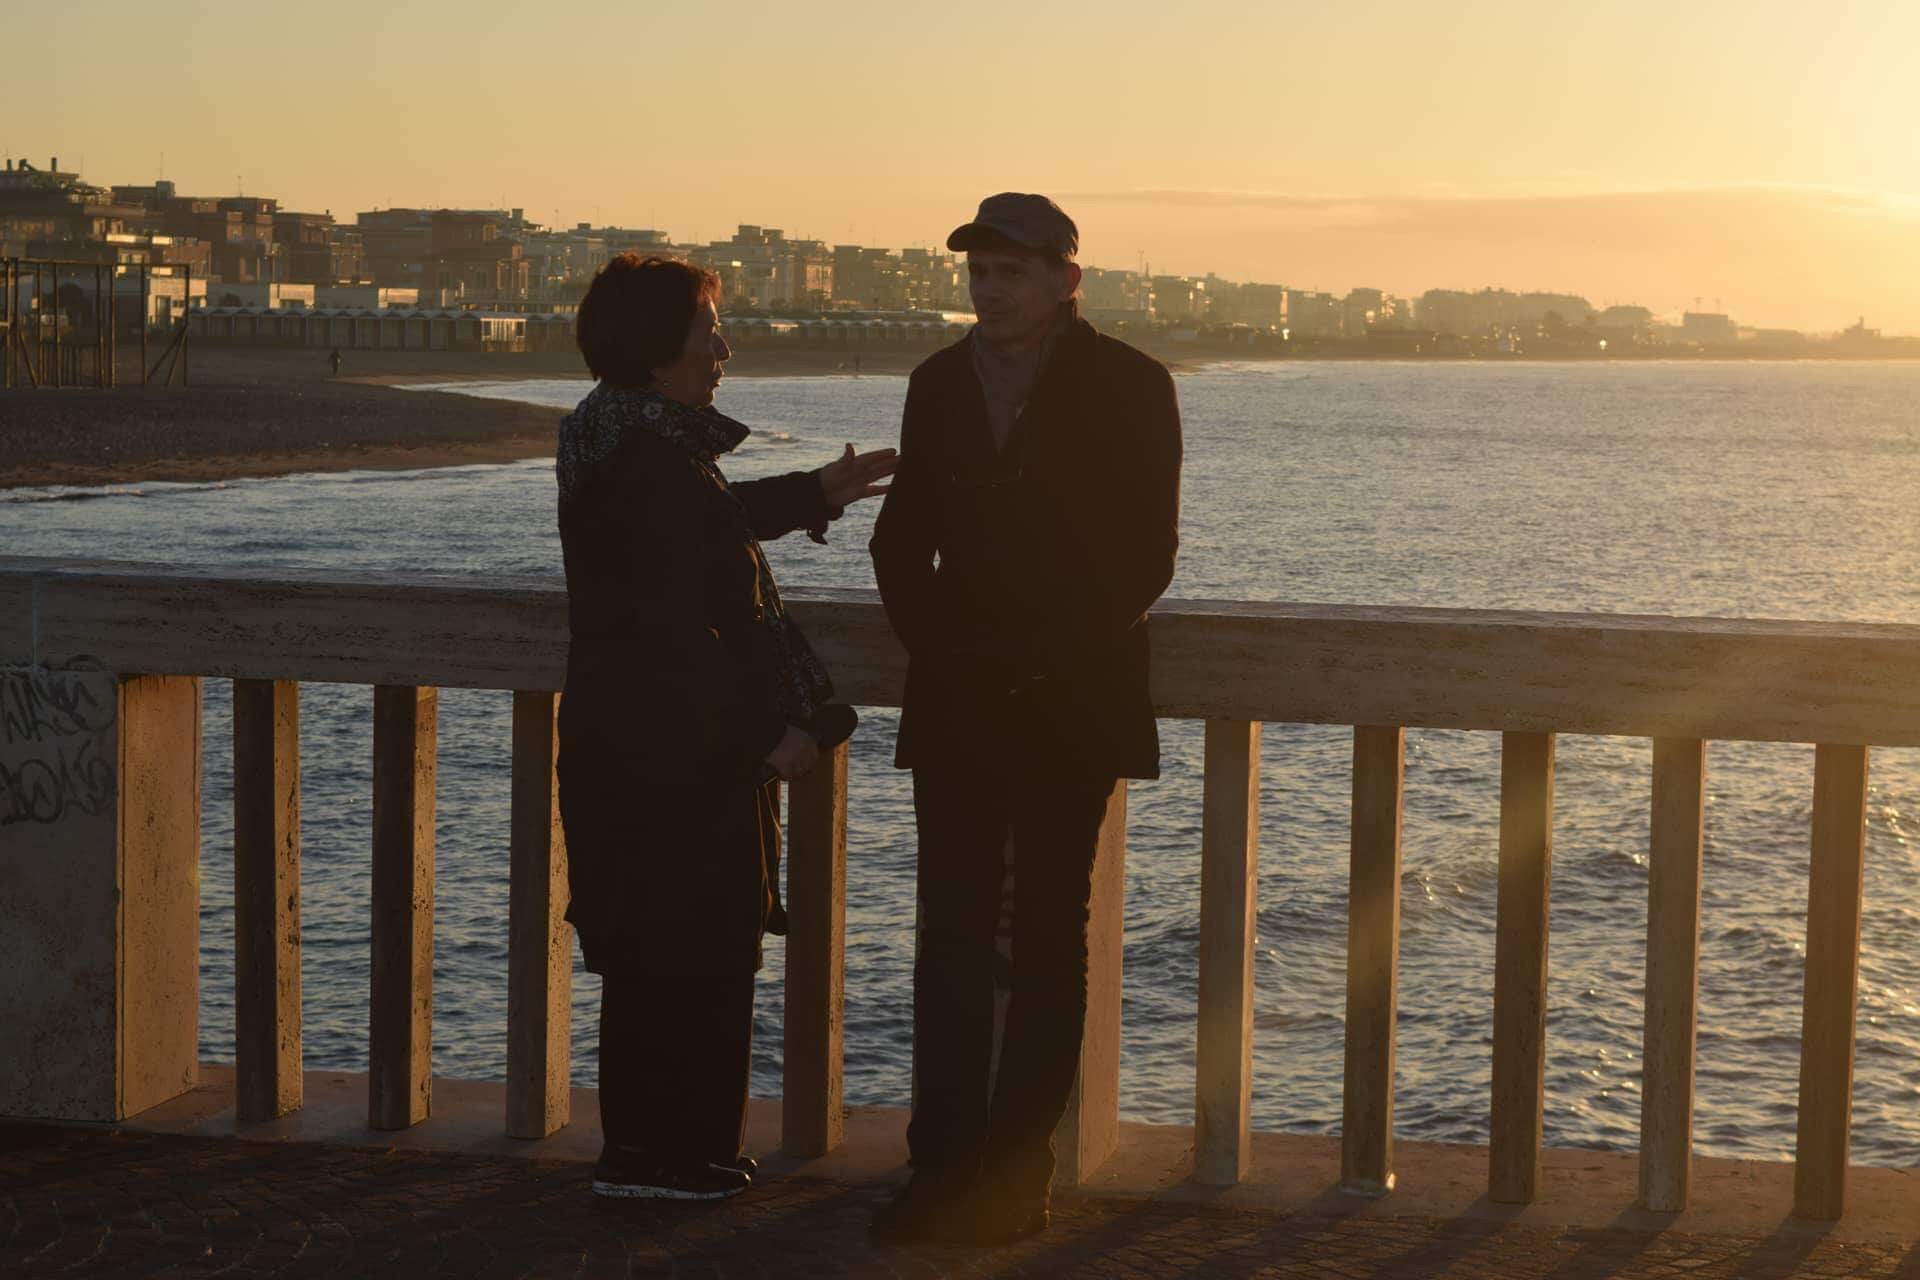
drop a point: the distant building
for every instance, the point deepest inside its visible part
(935, 280)
(153, 250)
(262, 295)
(1496, 311)
(168, 296)
(467, 258)
(561, 263)
(868, 279)
(239, 229)
(1532, 309)
(1102, 289)
(347, 254)
(21, 174)
(749, 265)
(395, 244)
(307, 246)
(1619, 317)
(1179, 300)
(52, 207)
(760, 268)
(640, 240)
(1313, 315)
(147, 197)
(1264, 306)
(1448, 311)
(1364, 310)
(370, 297)
(1709, 329)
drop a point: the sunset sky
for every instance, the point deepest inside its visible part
(1760, 153)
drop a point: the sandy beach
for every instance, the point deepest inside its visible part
(274, 411)
(87, 437)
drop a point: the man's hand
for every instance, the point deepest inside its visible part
(796, 755)
(853, 476)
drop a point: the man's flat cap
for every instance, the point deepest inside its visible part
(1030, 220)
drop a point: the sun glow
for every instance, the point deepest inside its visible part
(1633, 152)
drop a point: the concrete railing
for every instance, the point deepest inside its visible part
(78, 637)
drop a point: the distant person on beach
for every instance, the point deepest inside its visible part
(689, 689)
(333, 361)
(1033, 522)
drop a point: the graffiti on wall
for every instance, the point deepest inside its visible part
(56, 745)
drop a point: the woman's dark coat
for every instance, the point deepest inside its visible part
(670, 704)
(1019, 580)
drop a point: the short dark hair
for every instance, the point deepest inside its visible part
(637, 315)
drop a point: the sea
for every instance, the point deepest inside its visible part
(1779, 490)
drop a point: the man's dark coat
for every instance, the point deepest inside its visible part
(1019, 579)
(669, 708)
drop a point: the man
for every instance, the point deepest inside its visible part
(1031, 524)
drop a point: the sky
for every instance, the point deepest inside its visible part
(1758, 155)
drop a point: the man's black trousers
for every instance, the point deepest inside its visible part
(966, 817)
(675, 1056)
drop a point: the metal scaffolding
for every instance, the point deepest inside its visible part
(45, 346)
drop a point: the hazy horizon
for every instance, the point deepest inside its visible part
(1751, 154)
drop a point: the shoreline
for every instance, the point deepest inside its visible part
(416, 368)
(262, 412)
(248, 417)
(217, 469)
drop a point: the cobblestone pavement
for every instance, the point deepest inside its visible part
(95, 1203)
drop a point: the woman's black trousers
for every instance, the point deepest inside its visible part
(675, 1055)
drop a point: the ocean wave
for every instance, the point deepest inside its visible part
(96, 493)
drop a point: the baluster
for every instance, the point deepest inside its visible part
(400, 1030)
(1673, 968)
(1520, 966)
(812, 1117)
(1834, 891)
(1090, 1131)
(1373, 959)
(539, 941)
(266, 899)
(1229, 870)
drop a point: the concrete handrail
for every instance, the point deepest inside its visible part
(1642, 676)
(1527, 675)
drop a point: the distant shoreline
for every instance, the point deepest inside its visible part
(254, 412)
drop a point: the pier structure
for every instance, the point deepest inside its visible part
(42, 344)
(102, 665)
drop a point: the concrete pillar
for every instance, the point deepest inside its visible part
(99, 892)
(1090, 1130)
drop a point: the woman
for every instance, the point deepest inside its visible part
(687, 685)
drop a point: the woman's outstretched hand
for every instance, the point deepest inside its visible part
(854, 476)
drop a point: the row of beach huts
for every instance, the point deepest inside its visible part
(414, 329)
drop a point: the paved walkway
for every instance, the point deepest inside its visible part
(96, 1203)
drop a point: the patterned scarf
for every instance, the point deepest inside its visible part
(590, 433)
